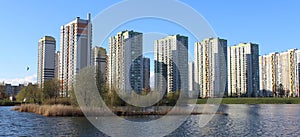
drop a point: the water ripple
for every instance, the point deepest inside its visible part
(242, 120)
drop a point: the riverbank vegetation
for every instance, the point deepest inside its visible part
(48, 95)
(7, 102)
(50, 110)
(252, 101)
(47, 101)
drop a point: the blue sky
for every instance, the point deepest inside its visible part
(275, 25)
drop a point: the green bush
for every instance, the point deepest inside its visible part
(61, 101)
(8, 103)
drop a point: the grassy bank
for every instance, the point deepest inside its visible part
(50, 110)
(68, 110)
(254, 101)
(8, 103)
(62, 110)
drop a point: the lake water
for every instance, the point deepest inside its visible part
(242, 120)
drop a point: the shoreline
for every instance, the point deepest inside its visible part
(50, 110)
(245, 100)
(71, 111)
(8, 103)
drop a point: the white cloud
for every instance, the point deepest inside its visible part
(17, 81)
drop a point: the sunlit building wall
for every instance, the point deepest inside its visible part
(243, 70)
(125, 62)
(280, 71)
(46, 59)
(171, 64)
(75, 51)
(211, 67)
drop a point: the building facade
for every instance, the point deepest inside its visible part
(211, 67)
(171, 64)
(99, 61)
(46, 59)
(243, 70)
(75, 51)
(279, 73)
(13, 90)
(57, 57)
(125, 62)
(191, 78)
(298, 74)
(146, 73)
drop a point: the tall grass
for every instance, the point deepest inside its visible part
(62, 110)
(50, 110)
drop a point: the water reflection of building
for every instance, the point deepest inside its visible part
(280, 73)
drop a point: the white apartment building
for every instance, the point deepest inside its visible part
(46, 59)
(211, 67)
(125, 62)
(75, 51)
(171, 64)
(280, 71)
(57, 57)
(191, 77)
(243, 70)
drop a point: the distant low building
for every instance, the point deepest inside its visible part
(11, 90)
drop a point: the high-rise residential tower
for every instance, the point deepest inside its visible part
(75, 51)
(99, 60)
(211, 67)
(243, 70)
(279, 73)
(125, 62)
(171, 64)
(146, 73)
(298, 74)
(46, 59)
(191, 77)
(56, 75)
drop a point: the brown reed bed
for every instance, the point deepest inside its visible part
(64, 110)
(50, 110)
